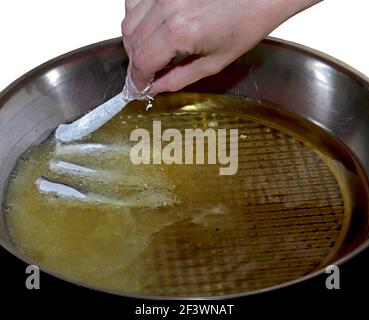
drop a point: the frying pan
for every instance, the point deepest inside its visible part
(314, 87)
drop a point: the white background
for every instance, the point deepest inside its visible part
(34, 31)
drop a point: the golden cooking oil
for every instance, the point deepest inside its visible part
(282, 215)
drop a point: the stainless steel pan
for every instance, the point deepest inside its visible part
(304, 82)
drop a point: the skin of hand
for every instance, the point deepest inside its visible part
(210, 33)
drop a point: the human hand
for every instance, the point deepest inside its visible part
(210, 33)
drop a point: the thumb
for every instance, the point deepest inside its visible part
(140, 79)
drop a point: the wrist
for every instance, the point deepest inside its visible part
(272, 13)
(279, 11)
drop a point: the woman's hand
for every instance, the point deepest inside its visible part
(211, 33)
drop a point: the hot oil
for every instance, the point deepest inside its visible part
(285, 213)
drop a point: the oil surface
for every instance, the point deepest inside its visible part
(184, 229)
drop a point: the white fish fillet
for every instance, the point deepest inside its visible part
(59, 190)
(68, 167)
(96, 118)
(62, 191)
(90, 148)
(92, 121)
(74, 170)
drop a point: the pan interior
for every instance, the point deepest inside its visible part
(287, 212)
